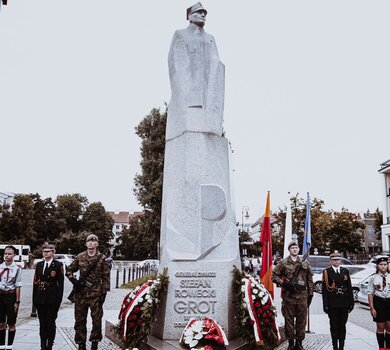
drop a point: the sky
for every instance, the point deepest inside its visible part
(307, 86)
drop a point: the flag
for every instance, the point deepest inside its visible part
(266, 243)
(288, 229)
(307, 235)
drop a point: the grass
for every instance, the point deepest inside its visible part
(138, 282)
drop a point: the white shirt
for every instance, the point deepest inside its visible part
(11, 276)
(48, 264)
(375, 286)
(336, 269)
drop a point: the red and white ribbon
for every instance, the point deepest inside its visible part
(145, 288)
(252, 312)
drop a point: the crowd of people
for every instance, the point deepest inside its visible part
(89, 293)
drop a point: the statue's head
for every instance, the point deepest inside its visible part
(197, 14)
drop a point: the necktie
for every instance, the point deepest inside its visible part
(337, 272)
(383, 282)
(46, 267)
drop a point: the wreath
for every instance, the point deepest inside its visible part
(256, 313)
(203, 334)
(138, 310)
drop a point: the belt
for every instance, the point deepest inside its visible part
(43, 285)
(11, 291)
(339, 291)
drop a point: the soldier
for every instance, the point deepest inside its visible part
(48, 290)
(91, 289)
(10, 285)
(337, 299)
(296, 278)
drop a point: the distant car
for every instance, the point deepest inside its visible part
(153, 264)
(320, 262)
(362, 296)
(357, 273)
(66, 259)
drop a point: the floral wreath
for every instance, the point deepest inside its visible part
(203, 334)
(256, 313)
(138, 309)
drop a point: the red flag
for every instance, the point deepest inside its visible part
(266, 243)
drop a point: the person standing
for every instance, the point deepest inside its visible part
(10, 285)
(48, 290)
(91, 289)
(379, 302)
(337, 299)
(296, 278)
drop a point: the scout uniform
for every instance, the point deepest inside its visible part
(296, 293)
(90, 294)
(337, 299)
(10, 279)
(48, 290)
(379, 288)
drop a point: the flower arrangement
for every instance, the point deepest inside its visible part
(256, 313)
(138, 309)
(203, 334)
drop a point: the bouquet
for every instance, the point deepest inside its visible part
(256, 313)
(138, 309)
(204, 334)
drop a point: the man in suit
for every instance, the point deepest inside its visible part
(48, 290)
(337, 298)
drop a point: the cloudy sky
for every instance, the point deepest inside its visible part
(306, 104)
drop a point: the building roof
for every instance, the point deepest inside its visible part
(385, 167)
(123, 216)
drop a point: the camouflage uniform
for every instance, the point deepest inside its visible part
(295, 303)
(91, 297)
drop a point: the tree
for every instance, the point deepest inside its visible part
(70, 208)
(97, 221)
(378, 223)
(149, 183)
(17, 226)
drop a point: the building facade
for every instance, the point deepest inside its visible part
(385, 172)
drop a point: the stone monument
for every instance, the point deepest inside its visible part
(199, 240)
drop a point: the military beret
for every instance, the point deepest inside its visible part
(335, 256)
(92, 237)
(381, 259)
(292, 244)
(194, 8)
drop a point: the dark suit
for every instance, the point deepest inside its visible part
(47, 297)
(337, 298)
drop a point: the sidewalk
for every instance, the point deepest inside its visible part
(27, 334)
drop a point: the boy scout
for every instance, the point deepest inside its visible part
(296, 278)
(10, 284)
(48, 290)
(91, 289)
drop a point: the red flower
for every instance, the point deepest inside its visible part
(133, 317)
(208, 347)
(266, 307)
(137, 309)
(251, 322)
(131, 325)
(264, 315)
(257, 304)
(266, 321)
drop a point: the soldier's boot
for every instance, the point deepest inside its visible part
(298, 345)
(341, 344)
(291, 345)
(82, 346)
(49, 345)
(334, 343)
(94, 345)
(43, 344)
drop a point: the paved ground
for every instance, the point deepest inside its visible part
(27, 335)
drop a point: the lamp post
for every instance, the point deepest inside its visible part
(245, 209)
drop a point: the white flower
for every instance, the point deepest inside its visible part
(255, 291)
(193, 343)
(265, 299)
(243, 289)
(244, 305)
(198, 336)
(188, 339)
(188, 331)
(253, 297)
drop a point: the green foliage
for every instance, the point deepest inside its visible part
(70, 208)
(148, 184)
(97, 221)
(378, 223)
(138, 282)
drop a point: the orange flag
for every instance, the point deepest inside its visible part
(266, 243)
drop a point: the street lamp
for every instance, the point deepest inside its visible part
(245, 209)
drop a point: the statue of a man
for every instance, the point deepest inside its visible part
(197, 76)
